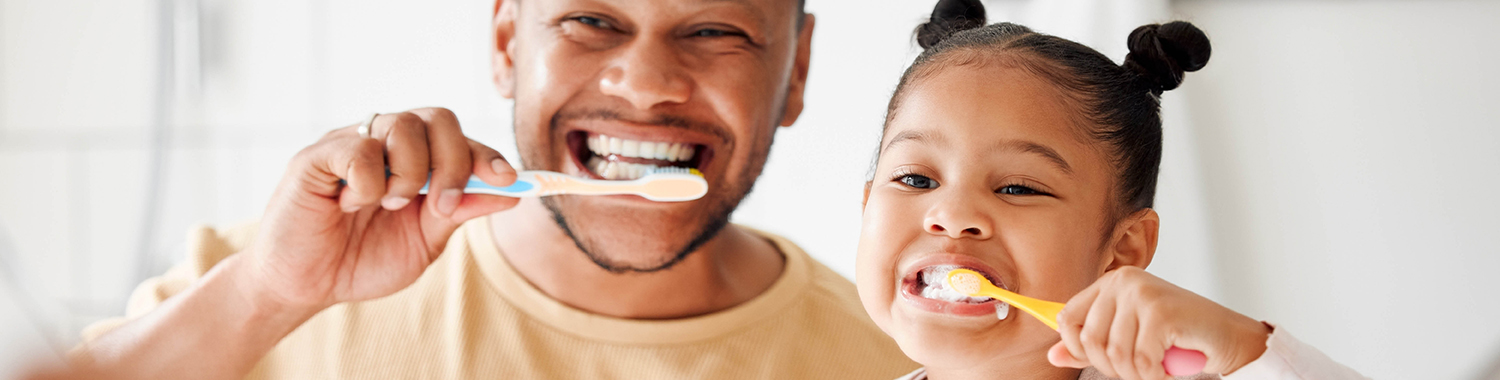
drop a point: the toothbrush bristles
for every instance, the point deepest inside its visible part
(966, 283)
(674, 170)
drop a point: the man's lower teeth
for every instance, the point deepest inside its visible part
(615, 170)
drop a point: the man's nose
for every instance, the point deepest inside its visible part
(648, 73)
(957, 219)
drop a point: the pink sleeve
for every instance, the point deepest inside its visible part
(1290, 359)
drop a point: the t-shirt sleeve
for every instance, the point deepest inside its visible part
(1290, 359)
(206, 247)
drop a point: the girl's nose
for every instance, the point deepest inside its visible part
(956, 220)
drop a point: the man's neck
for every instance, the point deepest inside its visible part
(732, 268)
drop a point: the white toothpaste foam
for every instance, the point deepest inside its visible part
(936, 278)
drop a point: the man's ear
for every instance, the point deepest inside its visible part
(502, 64)
(1136, 242)
(797, 85)
(866, 200)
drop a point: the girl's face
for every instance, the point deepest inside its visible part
(983, 167)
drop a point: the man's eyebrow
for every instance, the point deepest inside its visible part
(913, 135)
(1038, 149)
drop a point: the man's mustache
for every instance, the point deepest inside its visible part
(656, 119)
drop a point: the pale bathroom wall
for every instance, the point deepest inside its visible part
(1295, 170)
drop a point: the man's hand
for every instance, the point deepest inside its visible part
(1123, 324)
(337, 230)
(322, 242)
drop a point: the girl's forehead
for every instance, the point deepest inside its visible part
(980, 105)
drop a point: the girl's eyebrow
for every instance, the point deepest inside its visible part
(1023, 146)
(914, 135)
(1038, 149)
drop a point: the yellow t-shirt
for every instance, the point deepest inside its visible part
(471, 316)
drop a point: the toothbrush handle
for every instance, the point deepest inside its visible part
(524, 186)
(1183, 362)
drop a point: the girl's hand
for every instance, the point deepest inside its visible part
(1123, 324)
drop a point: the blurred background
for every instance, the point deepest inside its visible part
(1332, 170)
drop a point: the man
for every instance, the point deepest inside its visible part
(352, 274)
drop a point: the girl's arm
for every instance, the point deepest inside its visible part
(1123, 323)
(1288, 358)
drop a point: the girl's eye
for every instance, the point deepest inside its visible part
(918, 181)
(1018, 190)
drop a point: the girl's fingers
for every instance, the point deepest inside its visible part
(1121, 346)
(1059, 357)
(1070, 322)
(1095, 335)
(1150, 349)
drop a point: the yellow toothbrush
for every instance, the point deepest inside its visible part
(1178, 361)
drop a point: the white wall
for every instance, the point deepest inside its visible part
(1351, 152)
(1333, 159)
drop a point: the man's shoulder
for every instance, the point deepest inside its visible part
(828, 307)
(825, 288)
(207, 245)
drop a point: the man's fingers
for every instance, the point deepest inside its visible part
(407, 156)
(490, 166)
(476, 205)
(361, 164)
(451, 162)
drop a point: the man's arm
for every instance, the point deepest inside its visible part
(215, 329)
(345, 224)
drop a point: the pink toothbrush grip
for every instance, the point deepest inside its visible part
(1183, 362)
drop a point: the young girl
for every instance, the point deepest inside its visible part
(1033, 160)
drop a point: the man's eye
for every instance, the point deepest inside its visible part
(1017, 190)
(594, 22)
(712, 33)
(918, 181)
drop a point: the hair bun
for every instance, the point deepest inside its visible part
(949, 17)
(1162, 53)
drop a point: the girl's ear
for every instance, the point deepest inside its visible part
(866, 199)
(1135, 244)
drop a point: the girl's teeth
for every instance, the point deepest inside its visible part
(936, 279)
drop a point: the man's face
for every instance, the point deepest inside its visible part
(613, 88)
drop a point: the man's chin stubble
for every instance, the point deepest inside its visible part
(718, 219)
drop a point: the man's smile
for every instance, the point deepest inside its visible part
(605, 150)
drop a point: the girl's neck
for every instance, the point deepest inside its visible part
(1006, 368)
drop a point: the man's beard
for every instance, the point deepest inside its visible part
(718, 219)
(727, 200)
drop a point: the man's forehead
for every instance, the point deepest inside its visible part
(753, 4)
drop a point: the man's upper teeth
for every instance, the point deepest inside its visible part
(604, 145)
